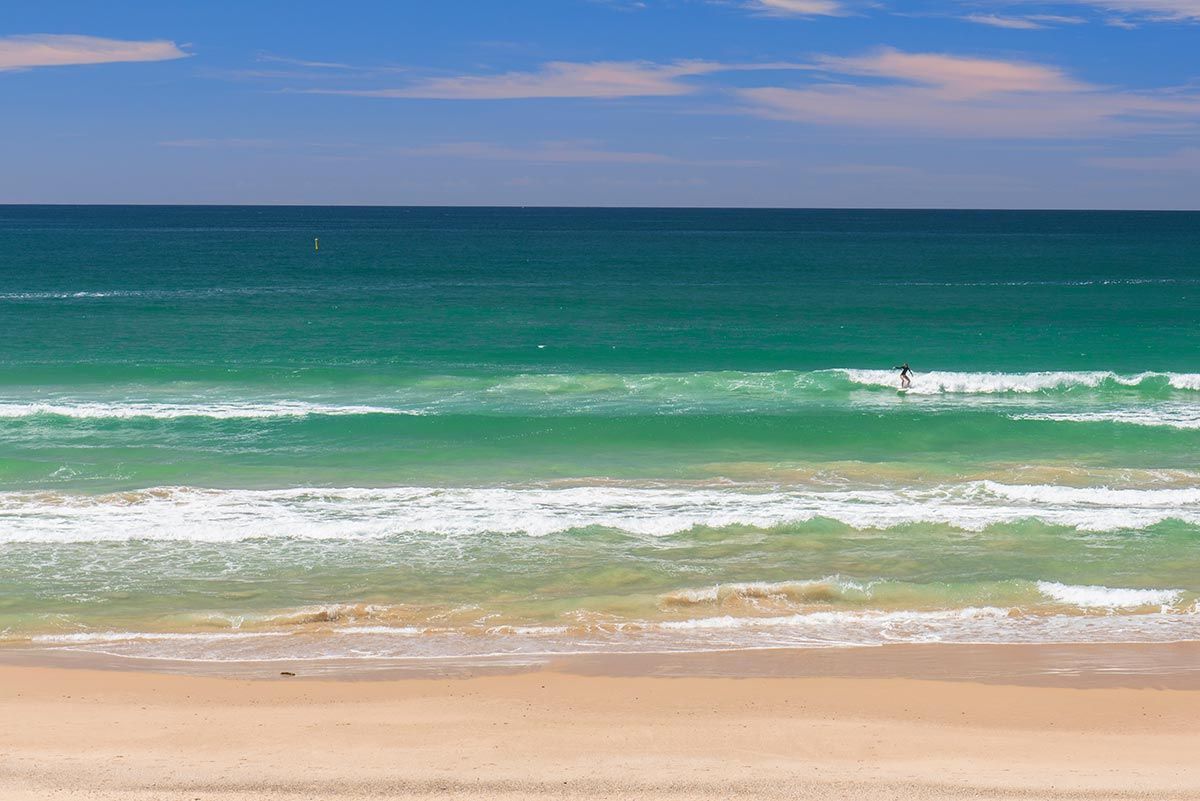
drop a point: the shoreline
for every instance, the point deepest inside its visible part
(1170, 665)
(616, 728)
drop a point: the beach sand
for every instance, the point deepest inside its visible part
(606, 728)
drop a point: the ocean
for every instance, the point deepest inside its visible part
(469, 432)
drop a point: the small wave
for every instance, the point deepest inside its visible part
(760, 599)
(114, 293)
(171, 411)
(124, 636)
(338, 616)
(1094, 597)
(840, 617)
(1051, 494)
(828, 589)
(1063, 282)
(150, 294)
(1187, 418)
(666, 393)
(939, 382)
(818, 629)
(193, 514)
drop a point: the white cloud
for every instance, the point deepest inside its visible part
(563, 79)
(1056, 19)
(545, 152)
(569, 152)
(959, 76)
(56, 50)
(300, 62)
(1023, 22)
(1026, 22)
(1143, 10)
(797, 8)
(948, 95)
(1018, 23)
(1176, 10)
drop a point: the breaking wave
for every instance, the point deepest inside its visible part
(214, 515)
(169, 411)
(940, 382)
(817, 629)
(1184, 417)
(669, 393)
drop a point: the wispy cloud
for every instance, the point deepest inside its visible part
(557, 152)
(1017, 23)
(949, 95)
(300, 62)
(58, 50)
(1026, 22)
(622, 5)
(566, 79)
(221, 142)
(1057, 19)
(1184, 160)
(797, 8)
(1168, 10)
(865, 169)
(956, 76)
(544, 152)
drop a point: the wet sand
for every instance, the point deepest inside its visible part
(764, 725)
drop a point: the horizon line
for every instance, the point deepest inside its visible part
(583, 207)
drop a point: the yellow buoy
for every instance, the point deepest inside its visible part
(316, 244)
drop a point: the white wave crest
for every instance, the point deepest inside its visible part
(814, 619)
(170, 411)
(1094, 597)
(123, 636)
(830, 588)
(942, 382)
(1178, 417)
(213, 515)
(822, 629)
(1052, 494)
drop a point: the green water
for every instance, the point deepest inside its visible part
(465, 431)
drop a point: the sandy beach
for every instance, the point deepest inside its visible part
(580, 730)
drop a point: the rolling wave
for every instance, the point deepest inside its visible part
(674, 393)
(214, 515)
(1024, 597)
(1092, 597)
(818, 629)
(233, 410)
(953, 383)
(1182, 417)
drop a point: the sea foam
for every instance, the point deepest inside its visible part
(170, 411)
(674, 393)
(942, 382)
(1182, 417)
(197, 514)
(820, 629)
(1093, 597)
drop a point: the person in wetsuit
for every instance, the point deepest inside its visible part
(905, 376)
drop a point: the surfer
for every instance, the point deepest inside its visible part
(905, 376)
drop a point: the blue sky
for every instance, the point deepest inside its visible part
(987, 103)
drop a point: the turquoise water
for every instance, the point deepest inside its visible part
(469, 431)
